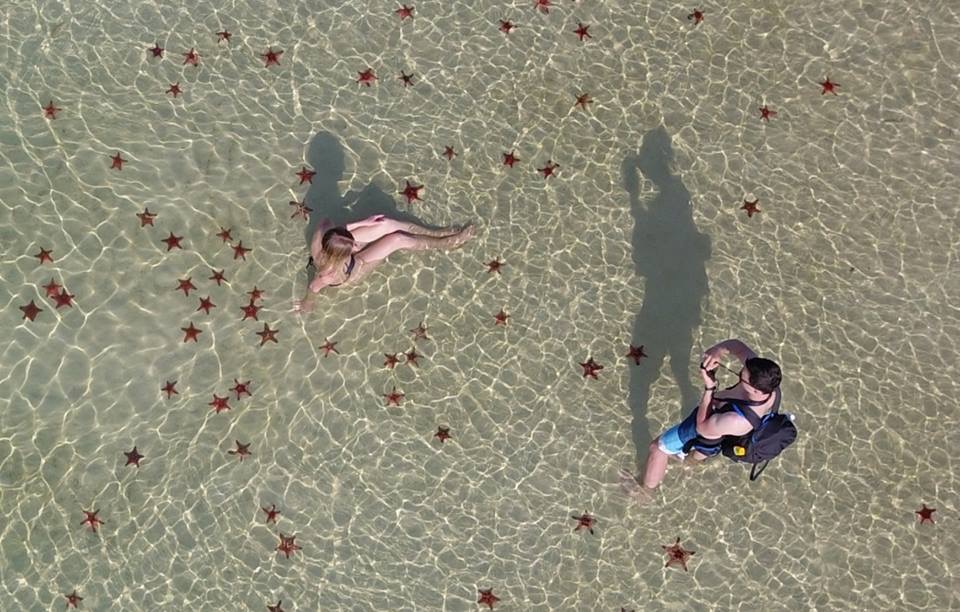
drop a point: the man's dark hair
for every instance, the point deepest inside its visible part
(764, 374)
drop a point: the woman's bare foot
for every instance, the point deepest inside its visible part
(461, 237)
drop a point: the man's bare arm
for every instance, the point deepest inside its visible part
(718, 425)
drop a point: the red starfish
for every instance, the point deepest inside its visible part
(44, 255)
(302, 209)
(240, 388)
(766, 113)
(133, 457)
(287, 545)
(449, 153)
(501, 317)
(581, 31)
(219, 403)
(250, 311)
(328, 347)
(272, 513)
(117, 162)
(750, 207)
(157, 50)
(367, 77)
(206, 305)
(676, 555)
(73, 599)
(223, 36)
(828, 86)
(275, 608)
(63, 298)
(925, 514)
(242, 450)
(190, 333)
(506, 27)
(224, 235)
(306, 176)
(411, 192)
(582, 101)
(191, 57)
(170, 389)
(217, 276)
(549, 169)
(419, 332)
(52, 288)
(696, 15)
(509, 159)
(406, 78)
(443, 434)
(404, 11)
(486, 595)
(394, 398)
(30, 311)
(267, 334)
(584, 521)
(146, 217)
(636, 353)
(50, 111)
(175, 89)
(186, 286)
(494, 266)
(544, 7)
(255, 294)
(240, 251)
(172, 241)
(271, 56)
(391, 361)
(412, 357)
(92, 520)
(590, 368)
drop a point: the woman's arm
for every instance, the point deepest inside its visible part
(319, 282)
(306, 303)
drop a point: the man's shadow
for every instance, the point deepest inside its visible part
(671, 254)
(325, 156)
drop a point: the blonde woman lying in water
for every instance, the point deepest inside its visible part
(344, 255)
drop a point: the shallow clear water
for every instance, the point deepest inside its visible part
(848, 277)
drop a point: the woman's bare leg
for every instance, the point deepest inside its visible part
(370, 233)
(452, 239)
(403, 241)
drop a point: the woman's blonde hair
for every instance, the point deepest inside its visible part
(335, 249)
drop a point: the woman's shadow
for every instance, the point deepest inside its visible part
(671, 254)
(325, 156)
